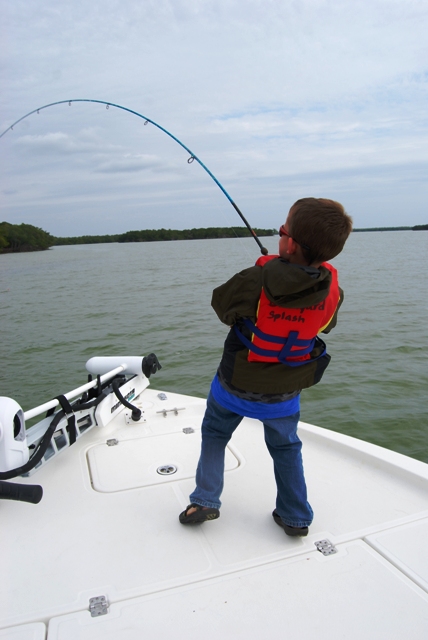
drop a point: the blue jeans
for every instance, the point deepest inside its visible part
(284, 446)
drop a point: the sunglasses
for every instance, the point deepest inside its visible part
(283, 232)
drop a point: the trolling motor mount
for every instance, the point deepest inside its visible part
(23, 451)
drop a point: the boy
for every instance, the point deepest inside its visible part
(276, 310)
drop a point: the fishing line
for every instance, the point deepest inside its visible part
(191, 158)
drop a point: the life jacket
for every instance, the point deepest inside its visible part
(289, 335)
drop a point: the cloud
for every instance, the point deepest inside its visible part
(129, 164)
(61, 143)
(274, 97)
(52, 143)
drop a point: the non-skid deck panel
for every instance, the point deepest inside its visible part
(34, 631)
(351, 496)
(407, 548)
(354, 594)
(123, 544)
(82, 543)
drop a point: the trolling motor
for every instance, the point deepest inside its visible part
(14, 452)
(14, 449)
(118, 381)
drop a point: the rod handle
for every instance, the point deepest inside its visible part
(23, 492)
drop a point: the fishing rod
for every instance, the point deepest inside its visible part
(192, 157)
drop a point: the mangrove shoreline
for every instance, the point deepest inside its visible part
(16, 238)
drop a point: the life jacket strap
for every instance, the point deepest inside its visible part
(304, 347)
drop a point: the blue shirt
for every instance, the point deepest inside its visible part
(250, 409)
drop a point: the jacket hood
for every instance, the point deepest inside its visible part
(292, 286)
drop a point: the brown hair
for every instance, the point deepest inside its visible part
(320, 226)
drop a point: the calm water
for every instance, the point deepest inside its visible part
(62, 306)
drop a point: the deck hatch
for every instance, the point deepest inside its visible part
(137, 462)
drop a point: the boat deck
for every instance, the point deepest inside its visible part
(108, 526)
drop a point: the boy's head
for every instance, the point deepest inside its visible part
(319, 227)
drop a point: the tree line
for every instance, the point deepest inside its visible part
(26, 237)
(161, 235)
(23, 237)
(418, 227)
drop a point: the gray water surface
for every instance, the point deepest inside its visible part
(60, 307)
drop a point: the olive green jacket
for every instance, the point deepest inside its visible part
(289, 286)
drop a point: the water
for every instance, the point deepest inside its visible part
(62, 306)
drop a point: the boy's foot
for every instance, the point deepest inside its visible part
(195, 514)
(290, 531)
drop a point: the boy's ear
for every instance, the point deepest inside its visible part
(291, 246)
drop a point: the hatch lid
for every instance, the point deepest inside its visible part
(128, 464)
(355, 593)
(406, 547)
(33, 631)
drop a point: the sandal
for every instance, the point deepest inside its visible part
(202, 514)
(290, 531)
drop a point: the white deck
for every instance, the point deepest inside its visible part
(108, 525)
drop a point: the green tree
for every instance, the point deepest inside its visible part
(23, 237)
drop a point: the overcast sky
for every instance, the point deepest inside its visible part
(281, 99)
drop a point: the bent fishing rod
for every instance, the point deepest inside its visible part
(192, 157)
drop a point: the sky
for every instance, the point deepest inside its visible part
(280, 99)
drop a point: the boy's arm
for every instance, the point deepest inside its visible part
(238, 297)
(333, 321)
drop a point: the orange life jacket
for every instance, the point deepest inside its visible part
(289, 335)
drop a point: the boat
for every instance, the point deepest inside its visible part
(92, 547)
